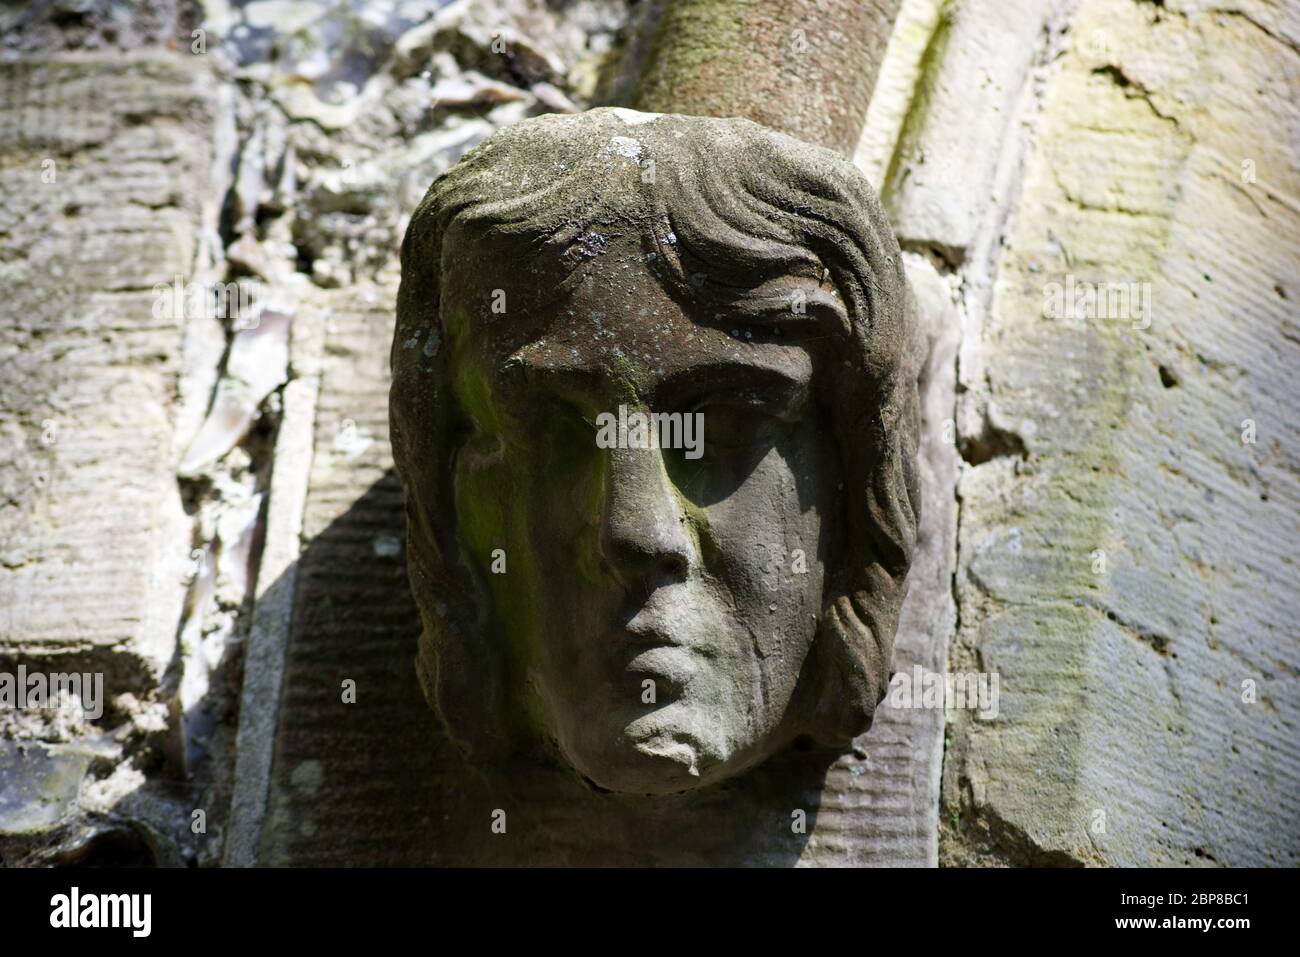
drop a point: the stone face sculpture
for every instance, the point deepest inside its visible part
(658, 619)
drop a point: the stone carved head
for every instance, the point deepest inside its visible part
(656, 618)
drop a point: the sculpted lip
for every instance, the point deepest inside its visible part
(650, 636)
(654, 653)
(641, 637)
(668, 668)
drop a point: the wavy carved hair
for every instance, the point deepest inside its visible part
(733, 202)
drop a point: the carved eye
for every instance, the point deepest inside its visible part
(744, 423)
(732, 428)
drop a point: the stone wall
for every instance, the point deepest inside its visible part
(1111, 498)
(1128, 500)
(107, 181)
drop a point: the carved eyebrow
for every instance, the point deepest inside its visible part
(722, 375)
(726, 375)
(781, 304)
(574, 384)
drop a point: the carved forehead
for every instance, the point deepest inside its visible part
(483, 279)
(723, 216)
(618, 326)
(620, 323)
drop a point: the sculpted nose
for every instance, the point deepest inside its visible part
(644, 533)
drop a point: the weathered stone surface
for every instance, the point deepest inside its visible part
(103, 177)
(1127, 558)
(50, 26)
(105, 188)
(804, 67)
(264, 652)
(901, 71)
(929, 614)
(941, 177)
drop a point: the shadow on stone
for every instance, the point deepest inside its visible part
(376, 782)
